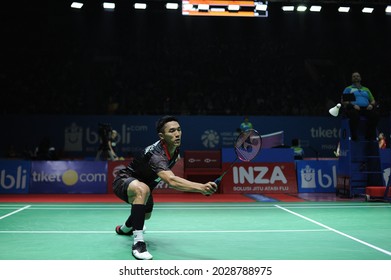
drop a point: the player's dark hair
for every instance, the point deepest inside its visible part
(163, 120)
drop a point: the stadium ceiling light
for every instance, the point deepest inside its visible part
(217, 10)
(261, 7)
(301, 8)
(315, 8)
(367, 10)
(108, 6)
(344, 9)
(76, 5)
(140, 6)
(288, 8)
(203, 7)
(172, 6)
(187, 6)
(388, 9)
(234, 8)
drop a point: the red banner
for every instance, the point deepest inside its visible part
(112, 169)
(202, 159)
(258, 177)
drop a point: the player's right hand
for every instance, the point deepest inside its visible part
(210, 188)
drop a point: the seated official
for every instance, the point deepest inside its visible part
(297, 149)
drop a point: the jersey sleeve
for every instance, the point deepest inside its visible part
(370, 96)
(159, 163)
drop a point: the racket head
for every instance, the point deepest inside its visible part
(248, 144)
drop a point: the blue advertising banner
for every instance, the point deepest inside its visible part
(68, 177)
(318, 176)
(265, 155)
(14, 176)
(78, 136)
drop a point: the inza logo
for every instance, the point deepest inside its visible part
(17, 181)
(258, 175)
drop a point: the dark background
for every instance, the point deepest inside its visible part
(58, 60)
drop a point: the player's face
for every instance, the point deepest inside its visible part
(171, 134)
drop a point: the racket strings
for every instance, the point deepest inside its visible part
(248, 145)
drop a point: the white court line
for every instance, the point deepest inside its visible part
(159, 231)
(192, 207)
(14, 212)
(202, 204)
(340, 206)
(76, 207)
(336, 231)
(159, 207)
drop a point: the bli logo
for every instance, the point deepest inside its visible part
(309, 179)
(16, 181)
(73, 138)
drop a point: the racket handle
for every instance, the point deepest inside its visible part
(217, 181)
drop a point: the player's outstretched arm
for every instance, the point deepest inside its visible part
(182, 184)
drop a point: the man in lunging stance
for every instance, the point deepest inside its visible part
(135, 183)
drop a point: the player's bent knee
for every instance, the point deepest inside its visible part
(148, 216)
(140, 190)
(137, 187)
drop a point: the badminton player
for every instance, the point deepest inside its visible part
(135, 183)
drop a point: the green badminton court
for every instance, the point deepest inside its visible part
(199, 231)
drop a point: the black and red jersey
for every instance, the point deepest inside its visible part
(145, 166)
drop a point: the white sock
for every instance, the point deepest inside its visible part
(138, 236)
(125, 229)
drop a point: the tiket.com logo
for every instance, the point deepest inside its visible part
(69, 177)
(321, 132)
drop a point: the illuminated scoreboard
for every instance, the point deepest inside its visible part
(227, 8)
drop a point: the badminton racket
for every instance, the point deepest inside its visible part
(247, 145)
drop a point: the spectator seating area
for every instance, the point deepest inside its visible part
(117, 63)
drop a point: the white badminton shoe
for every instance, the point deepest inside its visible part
(140, 252)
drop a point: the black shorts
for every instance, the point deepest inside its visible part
(120, 188)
